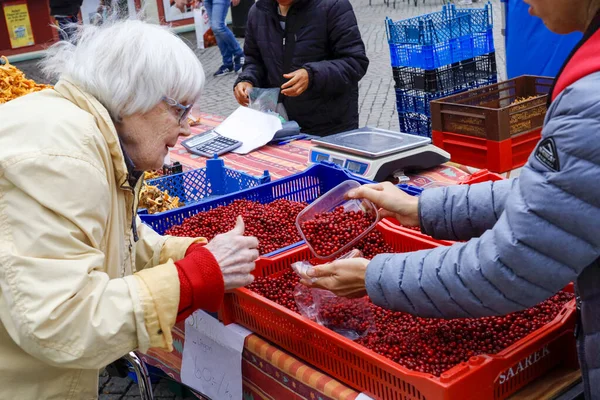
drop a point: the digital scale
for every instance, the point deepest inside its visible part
(376, 153)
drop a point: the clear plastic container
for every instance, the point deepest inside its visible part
(330, 201)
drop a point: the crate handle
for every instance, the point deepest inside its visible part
(463, 114)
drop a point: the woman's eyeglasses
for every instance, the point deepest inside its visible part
(183, 111)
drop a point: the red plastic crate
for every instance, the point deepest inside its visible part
(393, 223)
(480, 176)
(479, 152)
(482, 377)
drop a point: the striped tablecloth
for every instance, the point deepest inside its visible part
(267, 371)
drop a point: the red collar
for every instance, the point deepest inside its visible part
(583, 60)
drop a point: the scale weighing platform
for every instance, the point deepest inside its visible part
(376, 153)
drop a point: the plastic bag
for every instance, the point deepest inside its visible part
(351, 318)
(264, 100)
(205, 37)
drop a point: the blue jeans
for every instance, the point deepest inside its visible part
(229, 47)
(67, 30)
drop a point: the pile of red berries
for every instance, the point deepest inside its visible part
(420, 344)
(273, 224)
(435, 345)
(330, 231)
(278, 288)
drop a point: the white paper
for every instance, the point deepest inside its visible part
(363, 396)
(253, 128)
(212, 357)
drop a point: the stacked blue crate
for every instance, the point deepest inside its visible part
(437, 55)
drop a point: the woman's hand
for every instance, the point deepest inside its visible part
(393, 201)
(345, 278)
(235, 254)
(297, 83)
(242, 93)
(235, 3)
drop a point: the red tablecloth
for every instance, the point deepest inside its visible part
(291, 158)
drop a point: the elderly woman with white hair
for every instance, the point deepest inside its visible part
(82, 281)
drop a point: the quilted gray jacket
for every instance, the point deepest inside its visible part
(527, 238)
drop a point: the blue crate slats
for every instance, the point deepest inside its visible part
(441, 54)
(205, 183)
(417, 101)
(415, 124)
(438, 39)
(467, 73)
(449, 23)
(305, 186)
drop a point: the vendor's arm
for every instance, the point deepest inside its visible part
(254, 70)
(457, 212)
(547, 235)
(57, 303)
(461, 212)
(348, 62)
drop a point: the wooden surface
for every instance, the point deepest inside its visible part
(549, 386)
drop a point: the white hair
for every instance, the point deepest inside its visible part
(128, 65)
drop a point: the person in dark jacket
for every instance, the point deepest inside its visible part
(66, 13)
(313, 51)
(527, 238)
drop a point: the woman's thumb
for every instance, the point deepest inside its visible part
(240, 227)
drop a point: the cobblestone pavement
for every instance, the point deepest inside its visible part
(377, 105)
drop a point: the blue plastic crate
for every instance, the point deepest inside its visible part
(410, 189)
(443, 53)
(450, 77)
(417, 101)
(415, 124)
(202, 184)
(447, 24)
(305, 186)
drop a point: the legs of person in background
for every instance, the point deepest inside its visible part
(232, 53)
(66, 28)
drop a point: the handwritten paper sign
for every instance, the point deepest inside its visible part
(212, 357)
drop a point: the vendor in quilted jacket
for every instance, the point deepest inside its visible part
(526, 238)
(313, 51)
(82, 281)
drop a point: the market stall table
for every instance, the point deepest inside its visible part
(270, 373)
(292, 158)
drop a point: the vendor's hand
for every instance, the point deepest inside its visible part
(234, 3)
(242, 93)
(345, 278)
(393, 201)
(236, 255)
(297, 83)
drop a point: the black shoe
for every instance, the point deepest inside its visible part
(224, 70)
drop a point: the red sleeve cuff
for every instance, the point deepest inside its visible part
(206, 287)
(192, 247)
